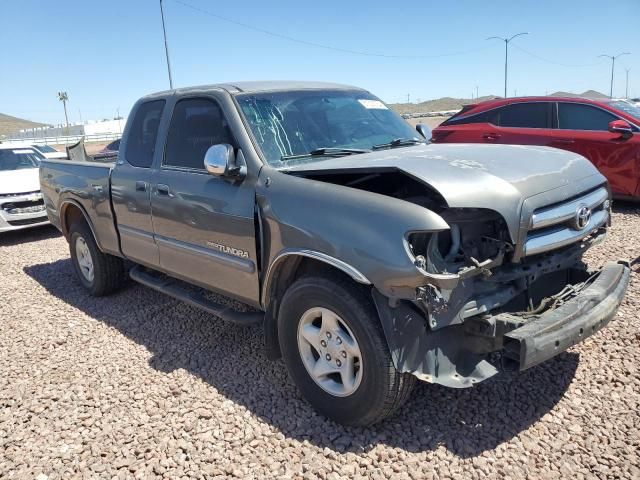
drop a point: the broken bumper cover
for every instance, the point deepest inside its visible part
(556, 330)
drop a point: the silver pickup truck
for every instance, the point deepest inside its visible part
(370, 257)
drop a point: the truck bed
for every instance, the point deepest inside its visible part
(87, 185)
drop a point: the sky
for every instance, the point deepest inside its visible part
(106, 54)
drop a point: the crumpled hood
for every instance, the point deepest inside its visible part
(496, 177)
(19, 181)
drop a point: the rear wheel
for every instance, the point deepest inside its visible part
(98, 272)
(335, 350)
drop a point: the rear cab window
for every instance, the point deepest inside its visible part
(142, 136)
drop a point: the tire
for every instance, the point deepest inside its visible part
(371, 391)
(107, 272)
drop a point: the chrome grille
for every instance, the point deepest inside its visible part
(562, 224)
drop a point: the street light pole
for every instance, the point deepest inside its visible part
(613, 64)
(506, 55)
(626, 88)
(166, 48)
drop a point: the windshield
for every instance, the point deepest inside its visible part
(325, 122)
(18, 159)
(626, 107)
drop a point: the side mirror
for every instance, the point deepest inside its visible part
(220, 161)
(622, 128)
(424, 130)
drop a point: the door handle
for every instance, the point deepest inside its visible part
(163, 189)
(491, 136)
(141, 186)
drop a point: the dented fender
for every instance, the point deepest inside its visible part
(364, 230)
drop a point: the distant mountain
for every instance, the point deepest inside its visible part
(9, 124)
(587, 94)
(437, 105)
(449, 103)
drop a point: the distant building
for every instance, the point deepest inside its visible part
(102, 127)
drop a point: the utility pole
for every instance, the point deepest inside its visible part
(613, 64)
(408, 97)
(64, 98)
(506, 55)
(477, 92)
(626, 88)
(166, 47)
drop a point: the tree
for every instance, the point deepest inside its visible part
(64, 98)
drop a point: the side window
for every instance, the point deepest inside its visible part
(490, 116)
(197, 124)
(141, 139)
(525, 115)
(574, 116)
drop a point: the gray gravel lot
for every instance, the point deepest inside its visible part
(139, 385)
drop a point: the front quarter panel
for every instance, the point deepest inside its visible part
(362, 229)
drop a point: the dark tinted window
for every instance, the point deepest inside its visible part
(141, 140)
(525, 115)
(195, 126)
(490, 116)
(574, 116)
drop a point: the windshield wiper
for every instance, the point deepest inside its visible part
(326, 151)
(399, 142)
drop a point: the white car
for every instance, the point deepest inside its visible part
(21, 203)
(48, 152)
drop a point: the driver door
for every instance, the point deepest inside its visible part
(204, 225)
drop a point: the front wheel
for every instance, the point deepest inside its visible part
(98, 272)
(335, 350)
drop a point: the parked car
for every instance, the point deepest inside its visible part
(21, 204)
(607, 132)
(371, 258)
(112, 147)
(48, 152)
(108, 152)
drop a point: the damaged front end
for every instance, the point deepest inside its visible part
(479, 311)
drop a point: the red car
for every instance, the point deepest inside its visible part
(607, 132)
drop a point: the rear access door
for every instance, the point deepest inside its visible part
(131, 184)
(523, 123)
(204, 225)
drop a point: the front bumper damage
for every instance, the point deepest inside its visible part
(461, 355)
(552, 332)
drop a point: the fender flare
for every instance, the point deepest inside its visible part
(63, 222)
(272, 345)
(353, 272)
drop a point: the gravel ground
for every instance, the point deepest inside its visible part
(139, 385)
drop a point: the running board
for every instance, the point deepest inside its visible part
(170, 286)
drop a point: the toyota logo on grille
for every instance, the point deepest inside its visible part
(583, 217)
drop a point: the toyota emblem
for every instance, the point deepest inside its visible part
(583, 217)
